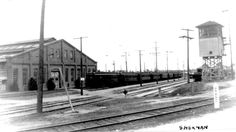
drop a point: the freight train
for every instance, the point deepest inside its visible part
(95, 80)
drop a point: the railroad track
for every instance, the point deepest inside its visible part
(154, 89)
(53, 106)
(119, 119)
(34, 93)
(145, 85)
(62, 105)
(165, 91)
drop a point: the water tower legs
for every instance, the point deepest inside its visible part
(212, 70)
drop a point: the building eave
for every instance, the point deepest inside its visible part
(209, 23)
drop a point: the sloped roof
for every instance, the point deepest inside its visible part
(10, 50)
(15, 49)
(23, 45)
(209, 23)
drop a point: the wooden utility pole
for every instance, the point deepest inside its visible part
(126, 65)
(156, 61)
(114, 66)
(81, 65)
(167, 68)
(140, 66)
(106, 58)
(188, 80)
(156, 66)
(231, 60)
(41, 63)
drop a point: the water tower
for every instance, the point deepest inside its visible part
(211, 49)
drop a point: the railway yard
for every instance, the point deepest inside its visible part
(117, 66)
(141, 109)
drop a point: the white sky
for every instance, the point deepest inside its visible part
(117, 26)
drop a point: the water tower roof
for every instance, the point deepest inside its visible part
(209, 23)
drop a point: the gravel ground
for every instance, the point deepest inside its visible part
(220, 120)
(124, 104)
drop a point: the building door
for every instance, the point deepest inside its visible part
(14, 86)
(55, 75)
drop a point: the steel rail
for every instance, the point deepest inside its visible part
(155, 87)
(145, 85)
(121, 115)
(47, 105)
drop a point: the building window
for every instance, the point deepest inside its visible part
(72, 74)
(84, 71)
(25, 76)
(209, 32)
(71, 54)
(66, 54)
(51, 53)
(212, 31)
(78, 73)
(58, 53)
(93, 70)
(35, 73)
(66, 74)
(15, 75)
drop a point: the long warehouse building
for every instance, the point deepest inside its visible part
(20, 61)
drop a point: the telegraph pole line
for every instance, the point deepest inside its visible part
(156, 61)
(81, 64)
(126, 62)
(114, 66)
(41, 63)
(167, 63)
(144, 67)
(231, 60)
(177, 63)
(183, 70)
(156, 56)
(106, 63)
(188, 38)
(167, 68)
(140, 66)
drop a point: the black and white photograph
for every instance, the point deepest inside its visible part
(117, 66)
